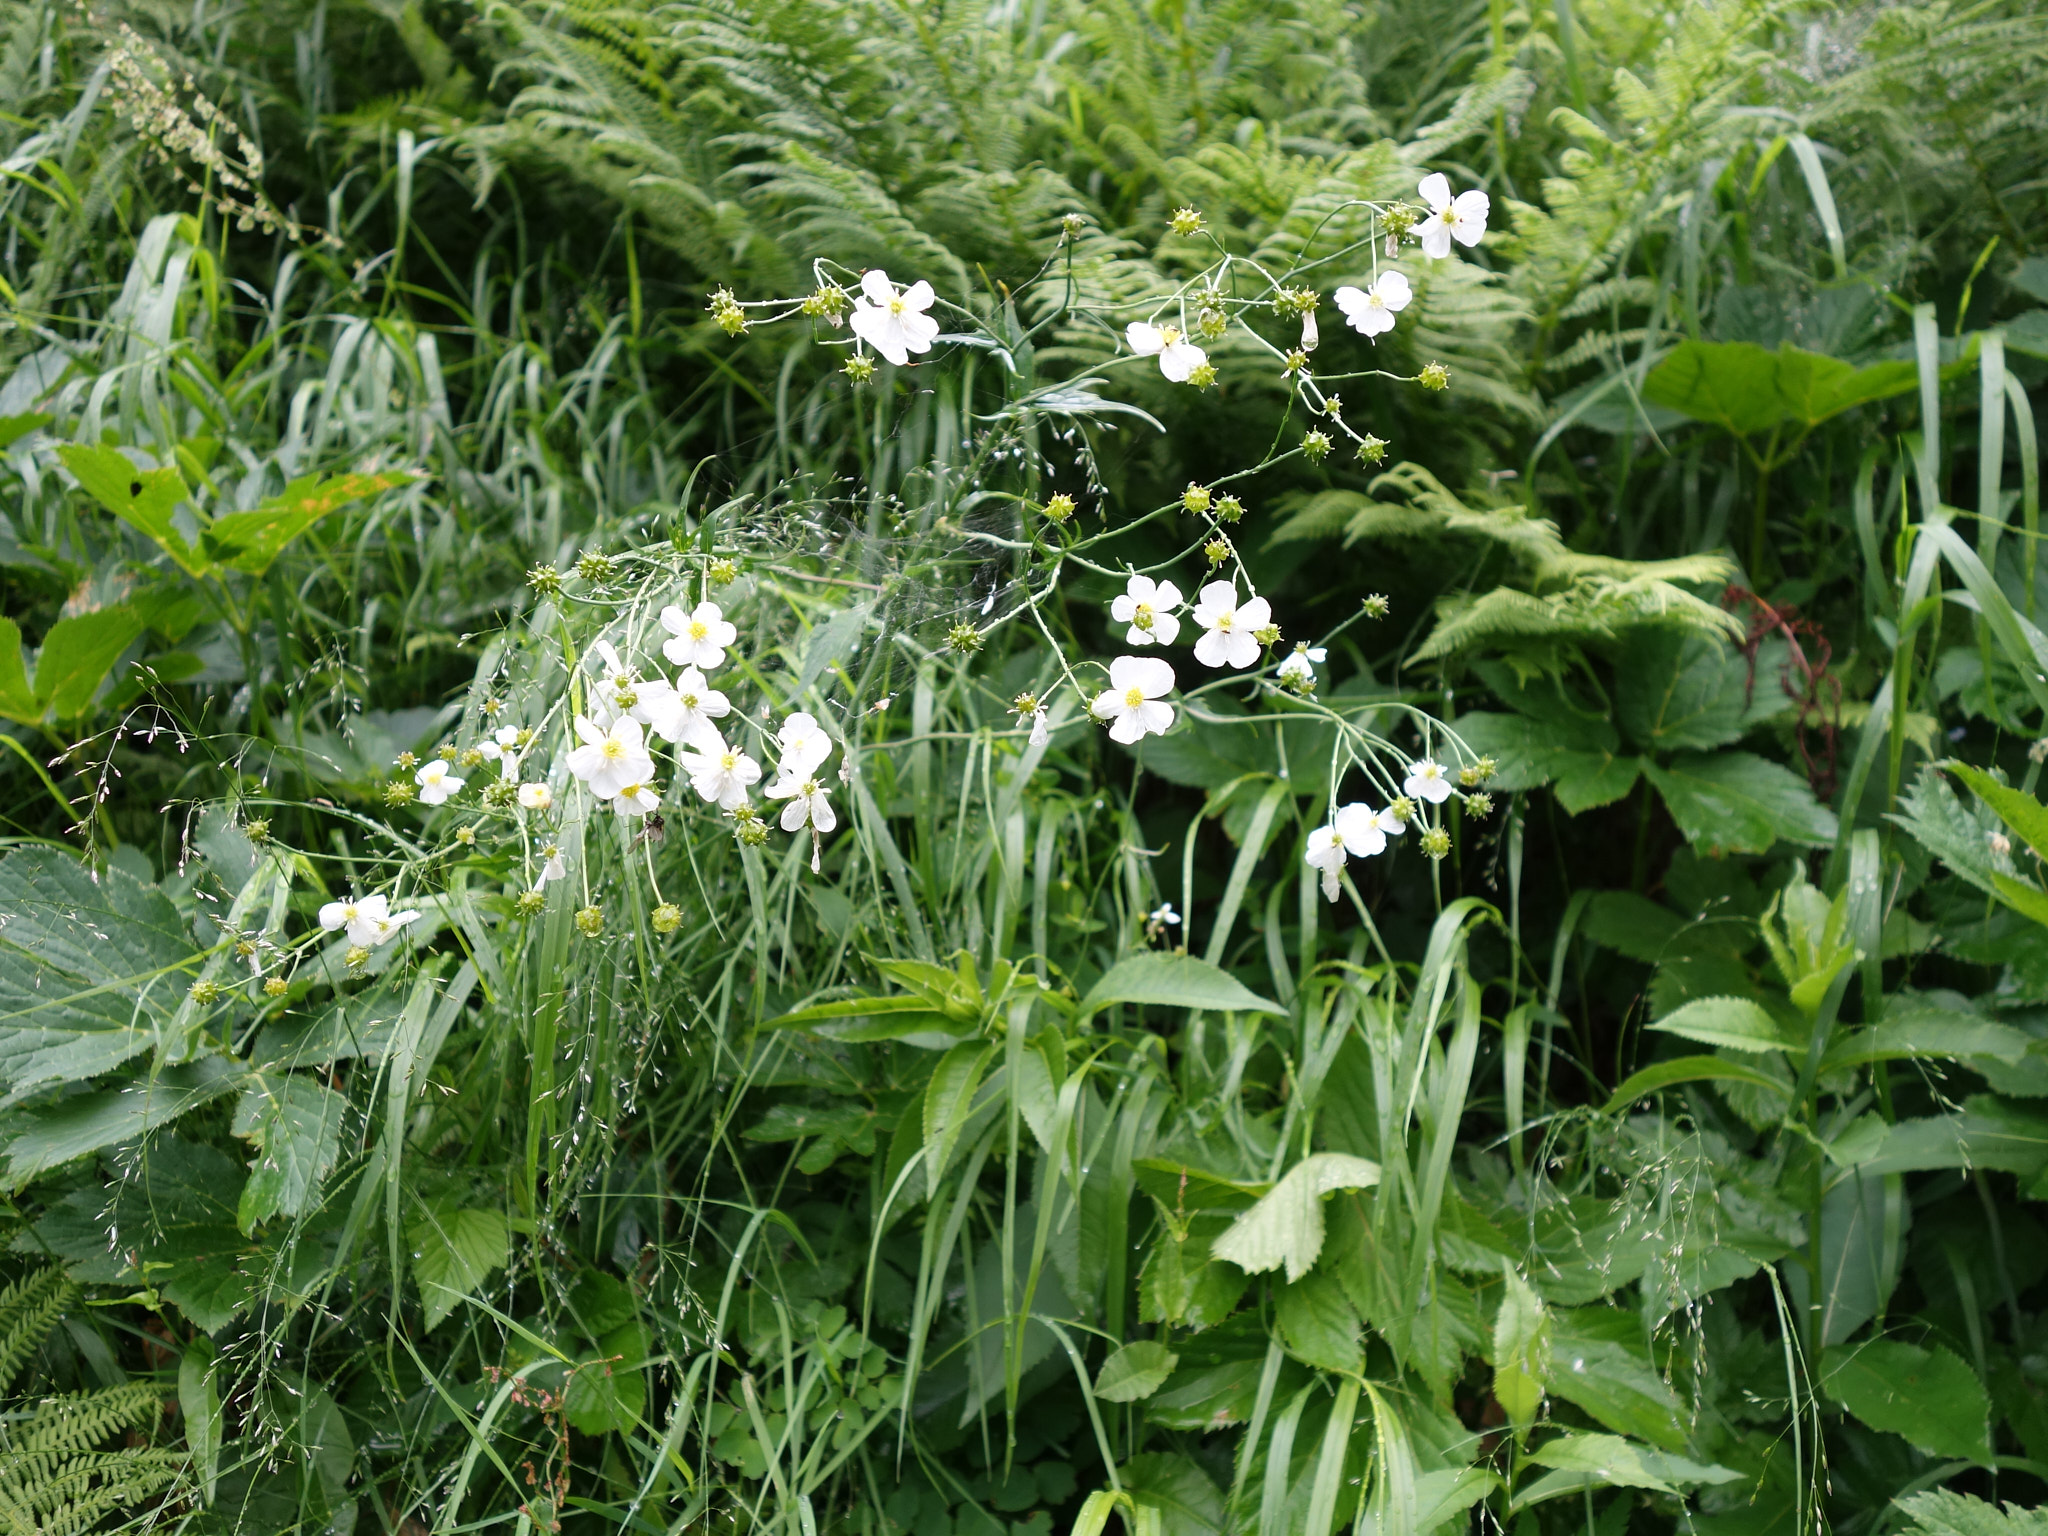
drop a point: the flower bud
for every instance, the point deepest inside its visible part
(1211, 322)
(723, 573)
(466, 836)
(1372, 450)
(1434, 376)
(1479, 805)
(398, 792)
(1315, 446)
(1228, 509)
(1267, 635)
(1436, 842)
(1059, 507)
(963, 639)
(204, 992)
(1202, 375)
(257, 830)
(860, 368)
(667, 918)
(1072, 226)
(1195, 498)
(276, 986)
(1186, 221)
(544, 579)
(530, 903)
(1217, 550)
(590, 921)
(1377, 606)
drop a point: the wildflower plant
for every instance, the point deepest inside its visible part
(650, 702)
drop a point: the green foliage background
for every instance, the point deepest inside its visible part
(1662, 1160)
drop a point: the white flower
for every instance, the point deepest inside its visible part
(1147, 606)
(1041, 728)
(436, 782)
(1365, 831)
(621, 691)
(807, 802)
(696, 705)
(552, 867)
(635, 800)
(701, 636)
(804, 746)
(721, 774)
(1232, 630)
(502, 749)
(382, 929)
(1326, 852)
(894, 324)
(1462, 219)
(1178, 357)
(536, 796)
(1371, 311)
(359, 916)
(1164, 916)
(1131, 701)
(1300, 663)
(1427, 781)
(611, 757)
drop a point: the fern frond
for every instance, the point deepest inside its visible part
(29, 1309)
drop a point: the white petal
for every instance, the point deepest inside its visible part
(919, 296)
(1392, 290)
(1436, 238)
(1180, 360)
(1148, 674)
(1144, 339)
(1350, 300)
(1472, 208)
(876, 285)
(1436, 191)
(878, 330)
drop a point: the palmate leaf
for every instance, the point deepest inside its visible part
(454, 1249)
(1736, 802)
(1743, 389)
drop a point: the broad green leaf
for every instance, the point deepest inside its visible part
(1686, 1069)
(53, 1134)
(17, 699)
(947, 1099)
(608, 1394)
(2027, 900)
(166, 1219)
(453, 1250)
(1521, 1351)
(1927, 1396)
(1529, 752)
(1735, 802)
(76, 654)
(14, 428)
(1632, 925)
(143, 498)
(1927, 1036)
(1617, 1386)
(1135, 1372)
(1318, 1323)
(1741, 388)
(1181, 1283)
(1174, 1490)
(199, 1402)
(1174, 981)
(2023, 813)
(1182, 1188)
(90, 967)
(1858, 1266)
(1678, 690)
(1944, 1512)
(250, 541)
(1285, 1229)
(295, 1124)
(1587, 780)
(1731, 1023)
(1989, 1133)
(1207, 1397)
(1596, 1461)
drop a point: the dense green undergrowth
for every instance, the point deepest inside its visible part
(1010, 1129)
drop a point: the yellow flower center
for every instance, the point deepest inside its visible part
(1168, 336)
(689, 700)
(729, 761)
(897, 306)
(613, 747)
(699, 629)
(1134, 698)
(1226, 622)
(1143, 617)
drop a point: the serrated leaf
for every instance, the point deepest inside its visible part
(1616, 1385)
(52, 1135)
(947, 1100)
(1730, 1023)
(453, 1251)
(1678, 690)
(1174, 981)
(1521, 1351)
(1135, 1372)
(1595, 1461)
(76, 656)
(295, 1124)
(1285, 1228)
(609, 1393)
(250, 541)
(1736, 802)
(1685, 1069)
(143, 498)
(1925, 1036)
(1318, 1323)
(1929, 1397)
